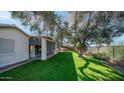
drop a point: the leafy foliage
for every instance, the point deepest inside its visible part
(84, 27)
(95, 27)
(37, 20)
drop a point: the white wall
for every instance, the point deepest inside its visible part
(21, 52)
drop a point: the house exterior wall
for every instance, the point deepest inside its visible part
(21, 46)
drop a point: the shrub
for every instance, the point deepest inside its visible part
(118, 52)
(101, 56)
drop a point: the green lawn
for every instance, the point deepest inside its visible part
(65, 66)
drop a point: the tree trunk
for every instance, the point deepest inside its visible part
(98, 51)
(80, 53)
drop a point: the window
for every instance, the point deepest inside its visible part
(50, 48)
(7, 46)
(50, 45)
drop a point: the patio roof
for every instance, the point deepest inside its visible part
(34, 41)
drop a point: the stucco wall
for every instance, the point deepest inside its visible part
(21, 51)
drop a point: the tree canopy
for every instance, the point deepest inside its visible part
(38, 21)
(82, 27)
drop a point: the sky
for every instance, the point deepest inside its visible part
(5, 17)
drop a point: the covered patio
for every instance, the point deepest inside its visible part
(41, 47)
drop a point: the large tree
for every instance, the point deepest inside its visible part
(84, 27)
(62, 31)
(94, 27)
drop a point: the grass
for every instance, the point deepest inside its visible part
(65, 66)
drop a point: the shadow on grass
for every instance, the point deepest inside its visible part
(61, 67)
(83, 75)
(90, 72)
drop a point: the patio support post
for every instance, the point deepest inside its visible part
(44, 49)
(33, 51)
(55, 47)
